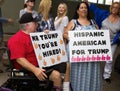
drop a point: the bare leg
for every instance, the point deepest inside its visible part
(67, 74)
(66, 83)
(56, 78)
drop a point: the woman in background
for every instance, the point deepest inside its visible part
(46, 22)
(61, 20)
(85, 76)
(112, 23)
(29, 8)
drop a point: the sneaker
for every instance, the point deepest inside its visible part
(108, 80)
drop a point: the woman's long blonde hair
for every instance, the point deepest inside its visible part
(65, 13)
(44, 8)
(66, 9)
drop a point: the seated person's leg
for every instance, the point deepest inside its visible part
(56, 75)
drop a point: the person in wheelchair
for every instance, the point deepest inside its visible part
(23, 56)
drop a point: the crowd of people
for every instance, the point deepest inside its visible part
(83, 76)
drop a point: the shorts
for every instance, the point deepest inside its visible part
(58, 67)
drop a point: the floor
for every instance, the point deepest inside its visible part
(5, 75)
(115, 82)
(114, 86)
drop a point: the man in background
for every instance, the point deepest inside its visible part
(2, 20)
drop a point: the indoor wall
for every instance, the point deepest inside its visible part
(11, 8)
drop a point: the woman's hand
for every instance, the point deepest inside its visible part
(87, 2)
(46, 31)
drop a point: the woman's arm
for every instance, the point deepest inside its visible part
(99, 14)
(68, 28)
(3, 19)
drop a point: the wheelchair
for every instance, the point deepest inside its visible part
(23, 80)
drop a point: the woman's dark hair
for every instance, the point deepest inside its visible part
(76, 16)
(25, 5)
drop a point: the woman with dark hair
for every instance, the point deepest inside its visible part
(85, 76)
(29, 8)
(76, 16)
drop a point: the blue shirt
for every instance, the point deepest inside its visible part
(1, 21)
(45, 24)
(99, 14)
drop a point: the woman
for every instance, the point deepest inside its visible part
(29, 8)
(46, 22)
(61, 20)
(85, 76)
(112, 22)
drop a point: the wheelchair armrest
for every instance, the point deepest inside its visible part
(22, 74)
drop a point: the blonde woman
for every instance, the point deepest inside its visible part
(46, 24)
(112, 22)
(61, 20)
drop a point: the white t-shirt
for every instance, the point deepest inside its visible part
(63, 23)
